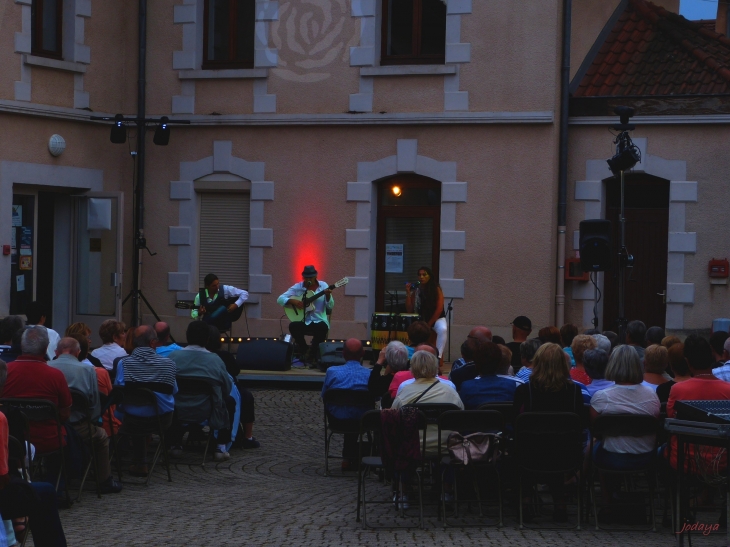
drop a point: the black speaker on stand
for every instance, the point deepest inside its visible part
(595, 245)
(274, 355)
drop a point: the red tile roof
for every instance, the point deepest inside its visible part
(651, 51)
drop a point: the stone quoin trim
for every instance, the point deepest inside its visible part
(251, 175)
(363, 237)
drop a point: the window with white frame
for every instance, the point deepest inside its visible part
(46, 28)
(413, 32)
(228, 33)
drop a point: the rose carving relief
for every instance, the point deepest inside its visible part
(309, 36)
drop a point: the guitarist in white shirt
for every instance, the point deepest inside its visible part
(315, 321)
(213, 289)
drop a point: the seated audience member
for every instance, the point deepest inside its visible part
(488, 386)
(468, 371)
(717, 343)
(636, 336)
(505, 367)
(166, 346)
(391, 359)
(581, 343)
(112, 335)
(229, 360)
(626, 396)
(128, 348)
(654, 335)
(669, 341)
(29, 377)
(426, 388)
(723, 372)
(8, 327)
(678, 366)
(595, 362)
(550, 389)
(352, 375)
(36, 314)
(406, 376)
(194, 361)
(613, 337)
(567, 333)
(82, 330)
(521, 329)
(550, 334)
(602, 343)
(82, 377)
(501, 342)
(145, 366)
(703, 386)
(528, 349)
(656, 361)
(418, 333)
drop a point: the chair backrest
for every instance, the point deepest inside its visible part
(624, 425)
(349, 397)
(432, 411)
(193, 385)
(549, 441)
(36, 410)
(16, 449)
(471, 421)
(80, 403)
(114, 398)
(506, 409)
(138, 394)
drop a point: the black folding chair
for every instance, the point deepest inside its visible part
(108, 402)
(360, 399)
(202, 392)
(548, 444)
(465, 422)
(81, 404)
(506, 409)
(624, 425)
(140, 394)
(371, 425)
(16, 457)
(42, 410)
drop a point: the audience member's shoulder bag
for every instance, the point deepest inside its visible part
(475, 447)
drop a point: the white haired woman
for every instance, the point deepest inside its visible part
(391, 359)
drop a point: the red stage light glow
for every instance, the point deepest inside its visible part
(309, 251)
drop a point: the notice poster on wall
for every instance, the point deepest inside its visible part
(26, 262)
(393, 258)
(20, 283)
(17, 215)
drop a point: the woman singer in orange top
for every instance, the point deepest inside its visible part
(428, 301)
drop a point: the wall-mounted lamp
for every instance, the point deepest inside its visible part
(396, 191)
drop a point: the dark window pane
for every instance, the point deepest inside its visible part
(50, 26)
(433, 27)
(218, 30)
(245, 28)
(400, 27)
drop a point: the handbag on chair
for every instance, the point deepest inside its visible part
(475, 447)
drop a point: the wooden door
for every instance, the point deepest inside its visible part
(647, 230)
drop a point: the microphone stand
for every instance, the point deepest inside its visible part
(448, 327)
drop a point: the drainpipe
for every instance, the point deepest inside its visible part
(563, 166)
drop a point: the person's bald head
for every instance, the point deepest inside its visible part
(353, 350)
(163, 331)
(429, 348)
(481, 333)
(68, 345)
(144, 337)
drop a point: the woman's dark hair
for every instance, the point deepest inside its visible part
(551, 335)
(83, 345)
(429, 294)
(595, 362)
(418, 332)
(499, 340)
(698, 352)
(214, 341)
(567, 333)
(612, 336)
(677, 362)
(466, 351)
(487, 357)
(198, 333)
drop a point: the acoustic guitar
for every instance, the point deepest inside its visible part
(308, 299)
(216, 313)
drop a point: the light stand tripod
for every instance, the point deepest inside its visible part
(627, 155)
(449, 309)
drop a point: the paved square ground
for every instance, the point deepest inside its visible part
(278, 495)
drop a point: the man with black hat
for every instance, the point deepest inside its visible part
(316, 322)
(521, 329)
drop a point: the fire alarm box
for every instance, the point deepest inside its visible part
(718, 267)
(573, 270)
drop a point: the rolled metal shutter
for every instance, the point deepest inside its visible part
(224, 237)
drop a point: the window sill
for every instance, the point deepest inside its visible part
(46, 62)
(407, 70)
(234, 73)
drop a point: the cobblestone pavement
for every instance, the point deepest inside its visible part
(278, 495)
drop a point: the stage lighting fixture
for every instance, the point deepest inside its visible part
(119, 132)
(397, 191)
(624, 159)
(162, 132)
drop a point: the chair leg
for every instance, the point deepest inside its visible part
(83, 480)
(520, 502)
(326, 450)
(360, 474)
(207, 445)
(165, 455)
(580, 491)
(499, 499)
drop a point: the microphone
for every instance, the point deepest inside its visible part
(415, 285)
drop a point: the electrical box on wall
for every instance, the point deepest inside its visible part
(718, 269)
(573, 270)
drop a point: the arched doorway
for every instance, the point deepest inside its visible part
(409, 230)
(647, 229)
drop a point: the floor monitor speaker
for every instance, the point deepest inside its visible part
(330, 355)
(274, 355)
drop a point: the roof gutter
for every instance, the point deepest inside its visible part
(563, 165)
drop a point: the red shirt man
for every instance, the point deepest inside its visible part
(29, 377)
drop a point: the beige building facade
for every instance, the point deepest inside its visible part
(291, 157)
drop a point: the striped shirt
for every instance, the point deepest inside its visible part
(144, 365)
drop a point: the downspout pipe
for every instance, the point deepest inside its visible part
(563, 165)
(141, 135)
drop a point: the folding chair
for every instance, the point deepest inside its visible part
(140, 394)
(624, 425)
(42, 410)
(371, 424)
(203, 393)
(504, 408)
(464, 422)
(80, 403)
(361, 399)
(548, 443)
(16, 457)
(108, 402)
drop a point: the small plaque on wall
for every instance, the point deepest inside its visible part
(94, 244)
